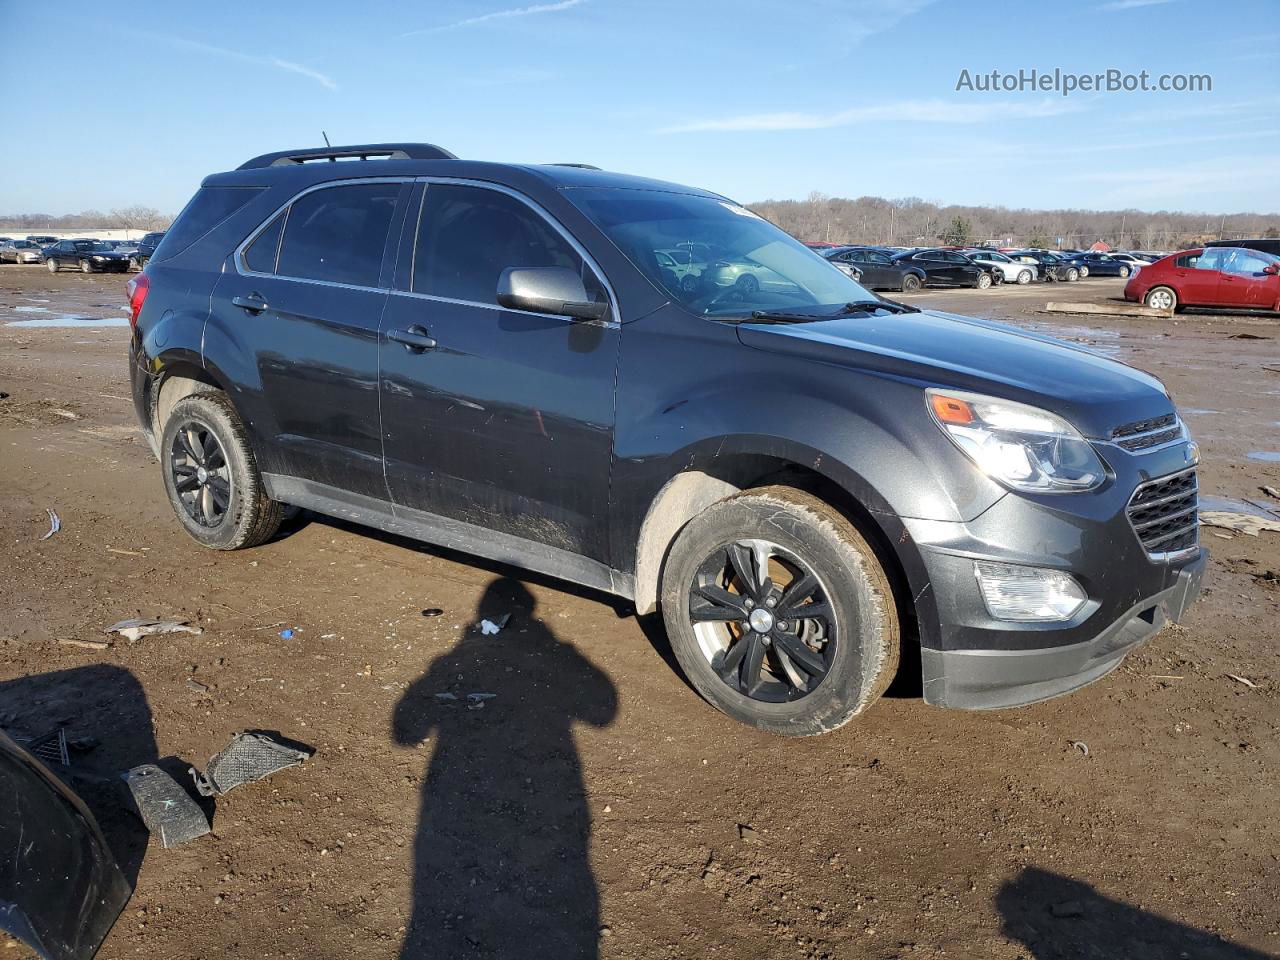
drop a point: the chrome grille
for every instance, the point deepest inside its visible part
(1165, 515)
(1145, 434)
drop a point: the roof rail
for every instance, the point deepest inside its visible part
(363, 151)
(580, 166)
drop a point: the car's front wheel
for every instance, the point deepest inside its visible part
(983, 281)
(748, 284)
(1161, 298)
(779, 612)
(211, 476)
(86, 266)
(52, 264)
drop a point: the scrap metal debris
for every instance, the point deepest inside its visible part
(168, 810)
(55, 524)
(432, 612)
(248, 757)
(1242, 522)
(1271, 492)
(1246, 681)
(1081, 746)
(50, 747)
(87, 644)
(133, 629)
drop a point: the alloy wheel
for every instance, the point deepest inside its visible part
(200, 473)
(764, 621)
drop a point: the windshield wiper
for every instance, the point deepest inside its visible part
(866, 306)
(782, 316)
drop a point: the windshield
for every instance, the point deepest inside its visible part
(91, 246)
(23, 244)
(716, 258)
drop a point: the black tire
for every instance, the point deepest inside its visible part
(860, 620)
(249, 517)
(53, 265)
(910, 283)
(748, 284)
(1124, 273)
(690, 284)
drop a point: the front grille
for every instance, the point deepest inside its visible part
(1146, 434)
(1164, 514)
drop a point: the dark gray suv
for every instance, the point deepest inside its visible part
(803, 478)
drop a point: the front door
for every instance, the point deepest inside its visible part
(299, 309)
(1244, 284)
(498, 418)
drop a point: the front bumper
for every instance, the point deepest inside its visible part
(990, 679)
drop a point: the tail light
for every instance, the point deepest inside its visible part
(137, 288)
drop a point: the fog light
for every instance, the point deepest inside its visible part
(1028, 593)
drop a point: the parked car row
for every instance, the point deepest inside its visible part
(86, 254)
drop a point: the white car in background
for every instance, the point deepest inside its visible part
(1135, 263)
(1012, 271)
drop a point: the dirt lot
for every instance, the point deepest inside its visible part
(595, 804)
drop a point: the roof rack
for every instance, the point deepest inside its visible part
(580, 166)
(363, 151)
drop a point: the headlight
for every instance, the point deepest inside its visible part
(1023, 447)
(98, 256)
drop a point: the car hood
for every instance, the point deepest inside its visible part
(1093, 392)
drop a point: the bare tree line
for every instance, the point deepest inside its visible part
(910, 221)
(123, 218)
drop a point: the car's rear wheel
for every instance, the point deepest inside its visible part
(1124, 273)
(1024, 276)
(1084, 272)
(779, 612)
(1161, 298)
(983, 281)
(910, 283)
(211, 476)
(52, 265)
(1073, 274)
(748, 284)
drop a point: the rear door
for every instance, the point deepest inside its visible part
(500, 418)
(296, 313)
(1245, 285)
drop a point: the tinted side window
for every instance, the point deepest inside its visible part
(261, 254)
(1187, 261)
(338, 234)
(208, 208)
(468, 235)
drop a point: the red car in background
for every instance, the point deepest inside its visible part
(1210, 277)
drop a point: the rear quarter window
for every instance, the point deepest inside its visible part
(208, 208)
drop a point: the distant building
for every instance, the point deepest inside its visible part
(1100, 247)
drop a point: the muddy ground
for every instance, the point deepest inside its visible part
(595, 804)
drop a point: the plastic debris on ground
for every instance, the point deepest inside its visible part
(248, 757)
(490, 627)
(133, 629)
(55, 524)
(1241, 522)
(164, 806)
(286, 634)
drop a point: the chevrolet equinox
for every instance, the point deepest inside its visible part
(802, 477)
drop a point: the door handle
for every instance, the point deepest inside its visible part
(415, 339)
(253, 303)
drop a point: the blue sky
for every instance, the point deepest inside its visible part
(135, 103)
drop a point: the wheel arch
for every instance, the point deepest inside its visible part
(692, 490)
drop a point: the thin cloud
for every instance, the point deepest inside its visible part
(917, 111)
(267, 60)
(1132, 4)
(529, 11)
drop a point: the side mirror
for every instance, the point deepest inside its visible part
(556, 290)
(1271, 269)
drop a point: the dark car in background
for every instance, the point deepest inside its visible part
(946, 267)
(1265, 244)
(878, 269)
(42, 239)
(1209, 277)
(801, 477)
(88, 256)
(145, 248)
(1104, 265)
